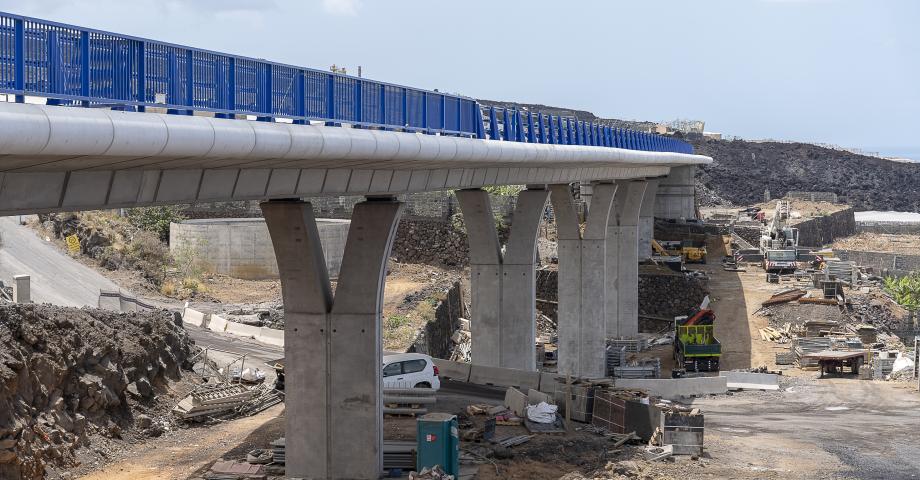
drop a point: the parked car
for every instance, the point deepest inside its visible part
(410, 370)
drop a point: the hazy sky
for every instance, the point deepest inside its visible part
(836, 71)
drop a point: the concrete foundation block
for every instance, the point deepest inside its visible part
(243, 330)
(217, 324)
(193, 317)
(675, 388)
(504, 377)
(271, 336)
(751, 381)
(457, 371)
(516, 401)
(22, 289)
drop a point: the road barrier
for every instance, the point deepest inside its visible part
(217, 324)
(193, 317)
(271, 336)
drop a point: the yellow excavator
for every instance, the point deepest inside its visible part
(690, 251)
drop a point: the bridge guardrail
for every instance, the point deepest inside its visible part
(71, 65)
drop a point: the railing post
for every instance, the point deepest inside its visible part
(359, 102)
(84, 66)
(506, 124)
(459, 114)
(231, 86)
(330, 99)
(443, 113)
(480, 129)
(531, 137)
(267, 97)
(19, 40)
(141, 75)
(383, 104)
(493, 125)
(300, 107)
(405, 102)
(425, 112)
(189, 83)
(55, 83)
(541, 121)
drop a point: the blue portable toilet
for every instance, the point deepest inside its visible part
(438, 442)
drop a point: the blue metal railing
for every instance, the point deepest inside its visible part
(70, 65)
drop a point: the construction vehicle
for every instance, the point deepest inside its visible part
(665, 257)
(695, 346)
(693, 251)
(779, 243)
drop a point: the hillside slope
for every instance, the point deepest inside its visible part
(742, 170)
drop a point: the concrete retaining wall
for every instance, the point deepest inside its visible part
(242, 247)
(675, 388)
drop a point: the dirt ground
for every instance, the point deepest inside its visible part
(802, 210)
(880, 242)
(180, 454)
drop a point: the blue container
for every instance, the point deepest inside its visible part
(438, 443)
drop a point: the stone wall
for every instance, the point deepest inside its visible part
(820, 231)
(891, 228)
(430, 242)
(813, 196)
(435, 337)
(663, 295)
(667, 296)
(548, 292)
(883, 264)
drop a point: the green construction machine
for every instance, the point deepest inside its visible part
(695, 346)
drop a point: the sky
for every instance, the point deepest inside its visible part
(844, 72)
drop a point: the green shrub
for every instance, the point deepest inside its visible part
(155, 219)
(905, 290)
(395, 321)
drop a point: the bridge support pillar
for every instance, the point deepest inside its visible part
(623, 260)
(503, 285)
(676, 196)
(582, 285)
(332, 348)
(647, 220)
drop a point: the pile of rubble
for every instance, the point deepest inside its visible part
(70, 377)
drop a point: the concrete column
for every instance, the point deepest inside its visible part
(676, 196)
(22, 289)
(582, 285)
(502, 286)
(333, 411)
(647, 220)
(623, 260)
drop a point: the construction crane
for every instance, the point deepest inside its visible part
(779, 243)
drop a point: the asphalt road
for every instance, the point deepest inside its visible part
(56, 278)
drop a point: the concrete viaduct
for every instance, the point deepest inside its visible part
(56, 156)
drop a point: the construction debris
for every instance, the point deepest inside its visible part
(226, 400)
(785, 297)
(436, 473)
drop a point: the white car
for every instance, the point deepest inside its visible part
(410, 370)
